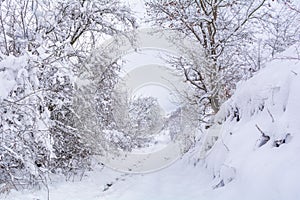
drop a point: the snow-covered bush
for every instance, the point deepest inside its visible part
(42, 47)
(25, 145)
(145, 115)
(138, 120)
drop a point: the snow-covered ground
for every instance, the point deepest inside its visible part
(255, 157)
(179, 182)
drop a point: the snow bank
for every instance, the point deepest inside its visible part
(256, 155)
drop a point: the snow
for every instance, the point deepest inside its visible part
(161, 140)
(269, 102)
(238, 166)
(11, 68)
(94, 185)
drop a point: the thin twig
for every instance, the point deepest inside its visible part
(273, 120)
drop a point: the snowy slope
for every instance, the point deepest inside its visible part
(259, 144)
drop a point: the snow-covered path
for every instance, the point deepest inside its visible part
(176, 182)
(180, 181)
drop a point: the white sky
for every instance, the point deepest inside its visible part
(146, 57)
(151, 81)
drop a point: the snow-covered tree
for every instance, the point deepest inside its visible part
(138, 120)
(43, 47)
(228, 34)
(145, 115)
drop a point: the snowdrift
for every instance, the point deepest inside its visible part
(257, 153)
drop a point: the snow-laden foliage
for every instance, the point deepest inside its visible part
(259, 131)
(25, 140)
(43, 46)
(146, 115)
(137, 122)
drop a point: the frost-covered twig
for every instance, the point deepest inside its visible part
(263, 134)
(273, 120)
(265, 138)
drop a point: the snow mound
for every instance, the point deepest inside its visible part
(256, 154)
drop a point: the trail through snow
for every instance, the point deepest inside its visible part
(181, 181)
